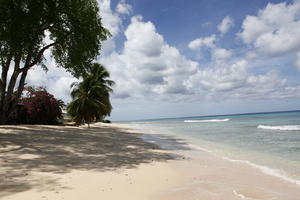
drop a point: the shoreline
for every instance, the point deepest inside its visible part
(279, 173)
(266, 172)
(264, 169)
(118, 162)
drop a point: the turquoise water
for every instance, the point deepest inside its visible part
(271, 140)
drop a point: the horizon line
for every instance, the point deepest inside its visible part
(218, 115)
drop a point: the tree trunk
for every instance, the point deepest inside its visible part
(21, 84)
(3, 94)
(7, 100)
(6, 111)
(8, 97)
(2, 118)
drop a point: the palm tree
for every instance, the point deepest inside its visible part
(91, 96)
(98, 75)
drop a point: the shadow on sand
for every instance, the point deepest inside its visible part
(26, 149)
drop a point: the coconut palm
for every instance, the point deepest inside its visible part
(91, 96)
(98, 75)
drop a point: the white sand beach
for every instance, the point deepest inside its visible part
(110, 161)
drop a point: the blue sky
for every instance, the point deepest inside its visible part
(176, 58)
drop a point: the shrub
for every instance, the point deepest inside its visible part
(41, 107)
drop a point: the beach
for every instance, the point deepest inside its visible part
(112, 161)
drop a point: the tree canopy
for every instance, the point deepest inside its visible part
(70, 29)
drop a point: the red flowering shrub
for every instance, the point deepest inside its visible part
(40, 106)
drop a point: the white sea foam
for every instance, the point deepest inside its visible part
(273, 172)
(199, 148)
(281, 128)
(207, 120)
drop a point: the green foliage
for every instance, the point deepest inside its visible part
(91, 96)
(74, 29)
(70, 29)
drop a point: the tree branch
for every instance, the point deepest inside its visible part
(37, 58)
(21, 84)
(13, 78)
(44, 28)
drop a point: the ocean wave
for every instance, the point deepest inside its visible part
(207, 120)
(281, 128)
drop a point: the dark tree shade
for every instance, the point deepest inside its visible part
(72, 29)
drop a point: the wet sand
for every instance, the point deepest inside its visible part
(209, 177)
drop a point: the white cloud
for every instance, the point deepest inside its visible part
(217, 53)
(219, 78)
(236, 81)
(225, 25)
(275, 31)
(148, 65)
(143, 38)
(221, 54)
(203, 42)
(56, 80)
(123, 8)
(112, 20)
(297, 63)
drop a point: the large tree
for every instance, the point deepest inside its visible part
(91, 95)
(70, 29)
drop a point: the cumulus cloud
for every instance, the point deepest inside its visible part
(148, 65)
(225, 25)
(142, 38)
(221, 53)
(236, 81)
(275, 30)
(123, 8)
(210, 43)
(56, 80)
(226, 75)
(112, 20)
(220, 78)
(203, 42)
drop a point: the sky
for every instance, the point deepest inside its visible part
(175, 58)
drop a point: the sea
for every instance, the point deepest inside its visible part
(268, 141)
